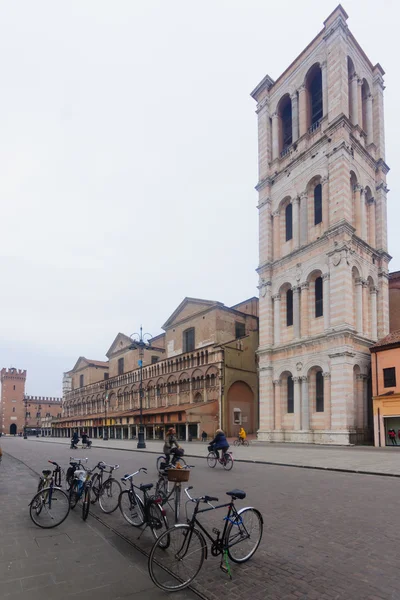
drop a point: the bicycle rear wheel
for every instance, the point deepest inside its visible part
(211, 459)
(96, 485)
(244, 534)
(179, 461)
(158, 521)
(109, 495)
(236, 442)
(177, 503)
(174, 567)
(246, 443)
(74, 495)
(49, 508)
(131, 507)
(86, 503)
(228, 462)
(160, 459)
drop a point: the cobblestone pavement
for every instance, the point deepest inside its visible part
(366, 459)
(74, 561)
(327, 535)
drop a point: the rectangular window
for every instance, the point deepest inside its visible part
(13, 408)
(289, 222)
(179, 416)
(318, 204)
(14, 387)
(319, 392)
(162, 418)
(38, 415)
(319, 300)
(188, 340)
(237, 416)
(290, 394)
(120, 366)
(389, 377)
(154, 359)
(81, 380)
(105, 376)
(289, 308)
(240, 329)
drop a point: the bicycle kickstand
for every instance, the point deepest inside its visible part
(224, 565)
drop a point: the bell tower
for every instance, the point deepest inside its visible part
(323, 261)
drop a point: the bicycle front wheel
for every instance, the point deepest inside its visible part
(109, 495)
(131, 507)
(74, 494)
(211, 459)
(160, 459)
(228, 462)
(179, 461)
(49, 508)
(86, 503)
(244, 534)
(174, 567)
(236, 442)
(96, 485)
(158, 521)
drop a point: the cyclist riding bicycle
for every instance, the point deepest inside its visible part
(242, 435)
(219, 443)
(170, 442)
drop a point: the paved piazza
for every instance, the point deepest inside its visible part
(326, 535)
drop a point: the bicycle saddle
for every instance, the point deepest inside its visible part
(145, 486)
(237, 494)
(46, 472)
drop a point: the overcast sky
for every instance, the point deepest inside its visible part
(128, 160)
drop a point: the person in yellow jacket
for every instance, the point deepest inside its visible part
(242, 434)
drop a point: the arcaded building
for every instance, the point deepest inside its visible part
(323, 260)
(200, 374)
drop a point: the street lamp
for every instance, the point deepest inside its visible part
(26, 418)
(140, 343)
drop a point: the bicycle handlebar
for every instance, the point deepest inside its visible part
(141, 470)
(53, 463)
(206, 499)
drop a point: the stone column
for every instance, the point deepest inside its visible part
(354, 99)
(325, 201)
(359, 305)
(359, 101)
(359, 400)
(297, 403)
(277, 318)
(276, 232)
(265, 230)
(324, 89)
(370, 127)
(327, 399)
(357, 209)
(381, 216)
(266, 395)
(296, 222)
(371, 223)
(304, 309)
(295, 117)
(296, 312)
(302, 110)
(277, 404)
(186, 431)
(275, 136)
(365, 299)
(374, 316)
(305, 412)
(303, 218)
(363, 215)
(326, 300)
(378, 113)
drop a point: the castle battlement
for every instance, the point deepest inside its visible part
(42, 399)
(12, 373)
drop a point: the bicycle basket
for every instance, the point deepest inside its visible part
(178, 475)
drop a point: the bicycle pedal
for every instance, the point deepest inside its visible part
(216, 531)
(223, 568)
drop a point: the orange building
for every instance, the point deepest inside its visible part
(386, 389)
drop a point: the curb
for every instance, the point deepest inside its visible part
(259, 462)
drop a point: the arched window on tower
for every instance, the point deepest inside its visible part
(290, 394)
(318, 204)
(289, 308)
(319, 299)
(319, 392)
(289, 221)
(285, 114)
(314, 87)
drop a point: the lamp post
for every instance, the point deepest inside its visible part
(26, 418)
(105, 428)
(140, 343)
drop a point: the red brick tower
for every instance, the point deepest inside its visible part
(12, 409)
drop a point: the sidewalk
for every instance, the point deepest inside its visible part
(76, 560)
(353, 459)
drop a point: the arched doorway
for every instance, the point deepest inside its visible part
(13, 429)
(240, 409)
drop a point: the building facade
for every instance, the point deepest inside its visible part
(19, 411)
(386, 388)
(323, 261)
(198, 375)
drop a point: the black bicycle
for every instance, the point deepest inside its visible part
(105, 491)
(174, 565)
(74, 464)
(138, 512)
(50, 505)
(169, 487)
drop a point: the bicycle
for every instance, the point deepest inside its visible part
(105, 492)
(241, 442)
(226, 460)
(44, 480)
(50, 505)
(168, 495)
(175, 460)
(174, 566)
(138, 512)
(80, 488)
(75, 463)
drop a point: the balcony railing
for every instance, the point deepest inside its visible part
(285, 151)
(314, 127)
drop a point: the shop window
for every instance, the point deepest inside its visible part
(389, 377)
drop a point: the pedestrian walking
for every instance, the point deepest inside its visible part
(204, 436)
(392, 436)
